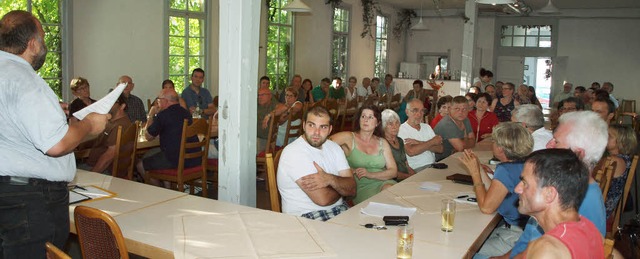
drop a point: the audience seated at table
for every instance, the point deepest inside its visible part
(266, 105)
(322, 91)
(391, 126)
(531, 117)
(104, 147)
(569, 104)
(135, 106)
(313, 172)
(484, 78)
(365, 90)
(375, 84)
(80, 88)
(491, 90)
(608, 86)
(350, 91)
(368, 154)
(586, 134)
(481, 119)
(388, 87)
(554, 183)
(503, 106)
(605, 108)
(307, 85)
(455, 129)
(196, 96)
(566, 93)
(337, 89)
(169, 84)
(621, 147)
(420, 142)
(296, 85)
(522, 94)
(417, 92)
(166, 121)
(534, 97)
(471, 101)
(511, 144)
(443, 105)
(293, 106)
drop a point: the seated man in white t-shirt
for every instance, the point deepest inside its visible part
(313, 173)
(420, 142)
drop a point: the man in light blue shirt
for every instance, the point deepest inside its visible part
(197, 96)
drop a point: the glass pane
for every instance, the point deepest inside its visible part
(52, 66)
(56, 86)
(531, 41)
(518, 30)
(47, 11)
(176, 65)
(532, 31)
(178, 4)
(545, 30)
(195, 62)
(518, 41)
(506, 41)
(196, 46)
(507, 30)
(176, 45)
(195, 27)
(196, 6)
(178, 82)
(177, 26)
(53, 38)
(7, 6)
(545, 42)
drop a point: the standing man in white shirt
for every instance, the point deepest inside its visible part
(313, 173)
(420, 142)
(36, 144)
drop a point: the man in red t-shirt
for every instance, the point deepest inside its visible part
(552, 187)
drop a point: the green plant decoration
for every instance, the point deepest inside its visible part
(369, 9)
(403, 22)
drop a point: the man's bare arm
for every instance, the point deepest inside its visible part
(325, 189)
(414, 147)
(105, 159)
(547, 247)
(86, 129)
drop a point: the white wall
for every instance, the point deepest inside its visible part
(602, 50)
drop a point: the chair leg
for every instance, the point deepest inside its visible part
(204, 185)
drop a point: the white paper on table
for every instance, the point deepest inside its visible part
(430, 186)
(246, 235)
(466, 199)
(102, 106)
(380, 210)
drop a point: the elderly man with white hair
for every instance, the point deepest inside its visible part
(586, 134)
(532, 118)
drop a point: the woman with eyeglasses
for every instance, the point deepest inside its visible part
(293, 106)
(81, 90)
(368, 153)
(502, 107)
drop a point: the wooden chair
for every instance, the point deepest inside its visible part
(125, 157)
(292, 130)
(383, 102)
(181, 175)
(348, 116)
(625, 195)
(334, 110)
(272, 181)
(98, 234)
(149, 104)
(608, 248)
(261, 162)
(370, 100)
(395, 102)
(54, 253)
(605, 176)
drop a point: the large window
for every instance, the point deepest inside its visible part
(529, 36)
(279, 44)
(380, 61)
(340, 44)
(187, 41)
(49, 12)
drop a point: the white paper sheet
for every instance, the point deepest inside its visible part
(465, 196)
(102, 106)
(380, 210)
(430, 186)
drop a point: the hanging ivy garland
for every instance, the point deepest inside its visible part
(333, 3)
(403, 23)
(369, 9)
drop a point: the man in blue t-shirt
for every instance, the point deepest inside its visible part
(586, 134)
(197, 96)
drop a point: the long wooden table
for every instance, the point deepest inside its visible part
(147, 214)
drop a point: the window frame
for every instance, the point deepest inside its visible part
(381, 74)
(346, 36)
(526, 51)
(206, 17)
(275, 84)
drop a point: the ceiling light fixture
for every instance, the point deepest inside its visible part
(549, 9)
(495, 2)
(420, 26)
(297, 6)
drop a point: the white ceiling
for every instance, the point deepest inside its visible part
(535, 4)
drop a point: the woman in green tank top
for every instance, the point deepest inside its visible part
(368, 153)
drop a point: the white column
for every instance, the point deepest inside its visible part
(238, 60)
(468, 44)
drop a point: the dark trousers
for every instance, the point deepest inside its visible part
(31, 214)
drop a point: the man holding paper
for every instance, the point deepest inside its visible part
(35, 144)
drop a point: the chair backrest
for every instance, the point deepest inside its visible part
(125, 157)
(200, 129)
(149, 104)
(608, 248)
(395, 101)
(98, 234)
(609, 171)
(274, 194)
(628, 106)
(293, 130)
(273, 133)
(54, 253)
(599, 170)
(347, 117)
(625, 194)
(334, 110)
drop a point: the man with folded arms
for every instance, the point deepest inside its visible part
(585, 134)
(36, 144)
(455, 129)
(313, 173)
(552, 187)
(420, 142)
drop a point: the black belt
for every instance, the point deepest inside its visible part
(19, 180)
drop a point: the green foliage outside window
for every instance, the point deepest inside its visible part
(186, 40)
(279, 34)
(49, 14)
